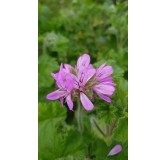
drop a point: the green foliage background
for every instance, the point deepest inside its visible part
(68, 28)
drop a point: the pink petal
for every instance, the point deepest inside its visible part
(107, 99)
(69, 102)
(65, 80)
(89, 75)
(104, 89)
(115, 150)
(68, 67)
(90, 66)
(68, 82)
(87, 104)
(103, 72)
(108, 81)
(85, 75)
(60, 79)
(108, 70)
(101, 67)
(54, 95)
(83, 60)
(61, 67)
(54, 75)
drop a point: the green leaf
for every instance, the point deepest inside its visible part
(99, 149)
(47, 65)
(56, 139)
(121, 131)
(51, 110)
(120, 97)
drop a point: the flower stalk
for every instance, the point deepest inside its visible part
(79, 117)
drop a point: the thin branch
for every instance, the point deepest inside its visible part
(99, 129)
(114, 124)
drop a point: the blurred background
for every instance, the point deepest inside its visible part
(67, 29)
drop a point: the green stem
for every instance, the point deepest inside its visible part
(79, 117)
(107, 128)
(114, 124)
(98, 128)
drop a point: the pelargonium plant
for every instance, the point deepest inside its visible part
(82, 82)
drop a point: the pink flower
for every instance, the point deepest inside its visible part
(81, 82)
(105, 86)
(64, 80)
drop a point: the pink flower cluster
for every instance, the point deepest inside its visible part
(81, 82)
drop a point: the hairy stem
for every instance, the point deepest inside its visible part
(115, 122)
(98, 128)
(79, 117)
(107, 128)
